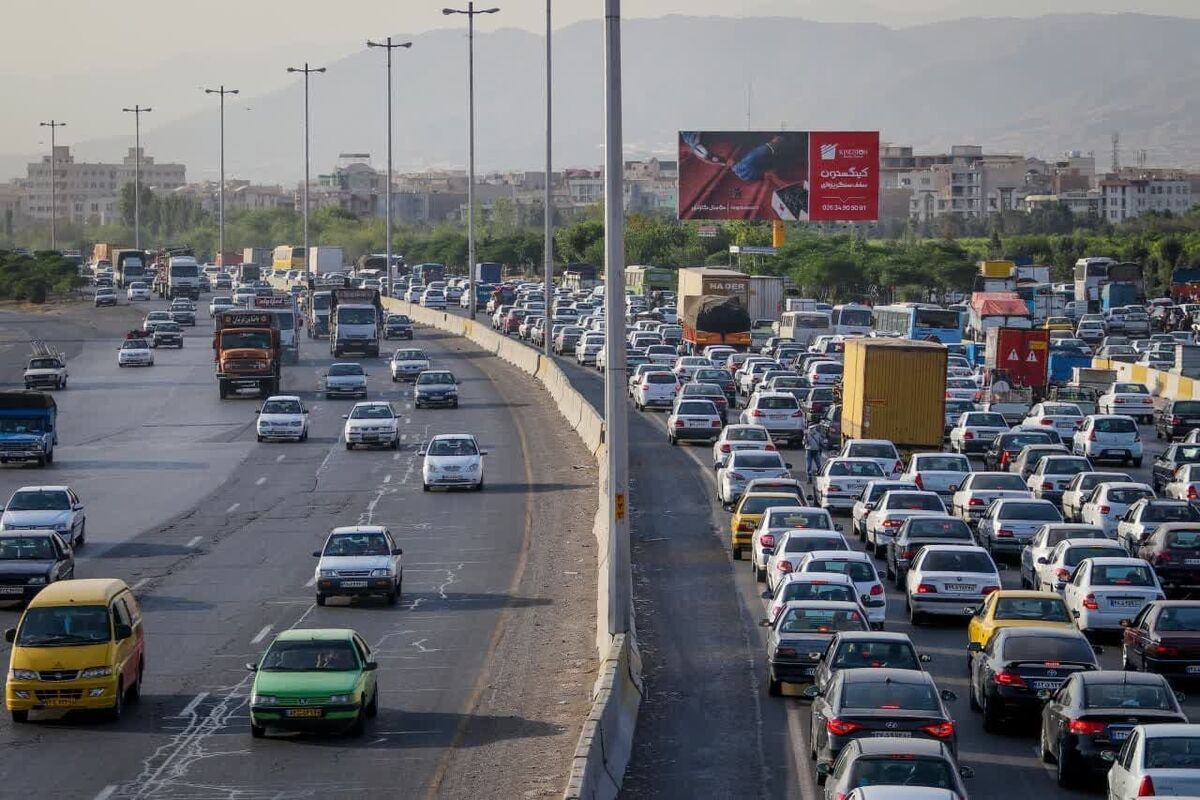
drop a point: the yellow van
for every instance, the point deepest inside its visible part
(79, 646)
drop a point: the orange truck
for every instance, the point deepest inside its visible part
(714, 307)
(247, 351)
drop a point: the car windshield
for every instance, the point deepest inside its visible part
(167, 327)
(778, 403)
(44, 363)
(943, 463)
(861, 469)
(913, 501)
(1127, 695)
(1172, 752)
(345, 369)
(1073, 555)
(51, 626)
(1116, 425)
(310, 656)
(253, 340)
(357, 544)
(746, 435)
(889, 694)
(902, 771)
(356, 316)
(1004, 482)
(1129, 388)
(819, 620)
(813, 590)
(26, 548)
(1170, 512)
(986, 421)
(1030, 512)
(660, 377)
(453, 447)
(811, 544)
(1128, 496)
(373, 411)
(1065, 466)
(1122, 575)
(1031, 608)
(957, 561)
(1182, 540)
(39, 500)
(934, 528)
(439, 378)
(746, 460)
(869, 450)
(18, 425)
(857, 571)
(282, 407)
(703, 408)
(758, 504)
(1047, 648)
(859, 654)
(410, 355)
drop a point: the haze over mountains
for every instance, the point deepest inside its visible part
(1037, 86)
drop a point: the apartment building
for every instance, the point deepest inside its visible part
(1132, 192)
(87, 193)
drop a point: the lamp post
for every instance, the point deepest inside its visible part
(221, 238)
(306, 70)
(470, 12)
(389, 47)
(137, 112)
(53, 125)
(548, 203)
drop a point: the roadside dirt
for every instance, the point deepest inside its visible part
(65, 325)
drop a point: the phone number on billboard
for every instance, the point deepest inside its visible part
(843, 207)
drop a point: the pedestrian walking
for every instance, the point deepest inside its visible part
(814, 443)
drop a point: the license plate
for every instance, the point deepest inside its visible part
(810, 670)
(12, 590)
(960, 587)
(58, 702)
(1125, 603)
(370, 437)
(1118, 735)
(1193, 669)
(354, 584)
(1191, 562)
(1045, 684)
(900, 734)
(1114, 452)
(695, 423)
(303, 712)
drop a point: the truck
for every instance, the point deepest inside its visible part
(707, 298)
(997, 310)
(128, 266)
(895, 389)
(488, 272)
(1185, 285)
(426, 274)
(355, 322)
(1023, 353)
(1115, 295)
(645, 280)
(326, 259)
(766, 298)
(46, 367)
(28, 427)
(580, 277)
(246, 345)
(230, 258)
(180, 278)
(249, 274)
(284, 307)
(262, 256)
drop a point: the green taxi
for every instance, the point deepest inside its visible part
(321, 680)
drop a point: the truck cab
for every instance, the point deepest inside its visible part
(247, 351)
(355, 322)
(46, 371)
(28, 427)
(283, 306)
(318, 314)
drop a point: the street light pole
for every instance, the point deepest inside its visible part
(222, 92)
(388, 200)
(548, 203)
(307, 70)
(470, 13)
(137, 112)
(615, 420)
(53, 125)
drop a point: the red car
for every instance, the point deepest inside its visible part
(512, 322)
(1164, 638)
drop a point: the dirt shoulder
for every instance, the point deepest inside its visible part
(64, 324)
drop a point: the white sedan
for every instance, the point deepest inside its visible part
(1109, 502)
(841, 481)
(745, 465)
(1184, 484)
(793, 545)
(861, 570)
(137, 291)
(739, 437)
(1062, 417)
(945, 579)
(1056, 567)
(881, 451)
(1105, 591)
(1162, 758)
(135, 353)
(884, 521)
(282, 417)
(359, 561)
(938, 472)
(407, 364)
(452, 459)
(372, 424)
(1130, 399)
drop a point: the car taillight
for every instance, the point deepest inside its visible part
(1090, 603)
(726, 448)
(833, 487)
(1146, 787)
(1006, 678)
(1063, 574)
(1046, 421)
(968, 434)
(1004, 533)
(877, 590)
(1104, 509)
(841, 727)
(716, 423)
(746, 526)
(1092, 436)
(767, 540)
(798, 414)
(1005, 457)
(926, 588)
(919, 483)
(898, 468)
(892, 523)
(1176, 420)
(1118, 399)
(645, 386)
(784, 566)
(989, 589)
(769, 447)
(1086, 727)
(939, 730)
(1165, 650)
(756, 413)
(975, 501)
(978, 396)
(1047, 486)
(678, 423)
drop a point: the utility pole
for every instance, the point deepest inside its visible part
(53, 125)
(548, 202)
(470, 12)
(222, 92)
(137, 112)
(387, 43)
(307, 70)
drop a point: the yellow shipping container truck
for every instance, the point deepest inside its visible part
(895, 389)
(997, 269)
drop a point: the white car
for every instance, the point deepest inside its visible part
(962, 389)
(884, 521)
(1160, 760)
(833, 586)
(452, 460)
(407, 364)
(937, 472)
(693, 419)
(739, 437)
(1129, 399)
(1109, 502)
(433, 298)
(775, 521)
(1044, 540)
(778, 412)
(657, 389)
(1105, 591)
(1062, 417)
(137, 291)
(1009, 524)
(976, 430)
(587, 347)
(219, 304)
(865, 503)
(50, 508)
(345, 379)
(154, 318)
(282, 417)
(861, 570)
(824, 373)
(1080, 489)
(841, 481)
(372, 424)
(662, 354)
(359, 561)
(945, 579)
(135, 353)
(686, 366)
(1056, 567)
(977, 491)
(1146, 515)
(745, 465)
(1050, 477)
(881, 451)
(1184, 484)
(792, 545)
(1109, 438)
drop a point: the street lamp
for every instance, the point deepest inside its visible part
(307, 70)
(470, 13)
(389, 47)
(53, 125)
(222, 92)
(137, 112)
(548, 203)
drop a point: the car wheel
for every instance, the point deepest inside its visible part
(1043, 746)
(1126, 661)
(774, 687)
(425, 487)
(737, 552)
(257, 731)
(360, 725)
(373, 706)
(991, 716)
(320, 599)
(349, 446)
(135, 691)
(1137, 462)
(82, 538)
(1065, 774)
(20, 716)
(915, 617)
(304, 436)
(118, 708)
(259, 438)
(672, 440)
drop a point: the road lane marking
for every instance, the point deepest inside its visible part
(261, 481)
(140, 584)
(311, 581)
(280, 457)
(387, 478)
(193, 704)
(233, 508)
(195, 541)
(107, 791)
(258, 637)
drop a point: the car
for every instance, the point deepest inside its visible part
(1159, 760)
(1147, 514)
(1174, 550)
(1109, 501)
(841, 481)
(1065, 418)
(1110, 438)
(718, 376)
(218, 304)
(46, 372)
(1031, 454)
(1094, 712)
(664, 355)
(943, 579)
(587, 347)
(1080, 488)
(1052, 473)
(869, 498)
(778, 515)
(739, 437)
(745, 465)
(154, 318)
(976, 430)
(893, 508)
(799, 635)
(50, 508)
(1104, 591)
(917, 532)
(397, 326)
(408, 363)
(894, 768)
(372, 424)
(1175, 419)
(792, 545)
(1011, 674)
(977, 491)
(437, 387)
(748, 512)
(656, 389)
(779, 413)
(345, 379)
(32, 559)
(868, 650)
(868, 703)
(686, 366)
(1015, 608)
(1172, 458)
(1127, 399)
(809, 586)
(1184, 484)
(860, 569)
(1162, 638)
(167, 334)
(1090, 332)
(1058, 566)
(942, 473)
(785, 485)
(282, 417)
(183, 315)
(452, 460)
(434, 298)
(359, 561)
(135, 353)
(1044, 540)
(566, 339)
(1008, 524)
(137, 290)
(693, 419)
(314, 680)
(105, 296)
(881, 451)
(706, 391)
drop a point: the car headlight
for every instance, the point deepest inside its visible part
(61, 526)
(263, 700)
(96, 672)
(329, 573)
(385, 572)
(22, 675)
(340, 698)
(471, 468)
(37, 581)
(296, 423)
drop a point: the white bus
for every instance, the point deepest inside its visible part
(804, 326)
(851, 319)
(1090, 274)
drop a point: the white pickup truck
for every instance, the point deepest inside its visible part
(46, 372)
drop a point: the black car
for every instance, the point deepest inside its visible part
(831, 425)
(397, 326)
(915, 533)
(167, 334)
(1173, 457)
(1005, 448)
(868, 650)
(184, 316)
(864, 703)
(1176, 418)
(800, 634)
(1012, 674)
(1093, 713)
(31, 559)
(818, 401)
(894, 761)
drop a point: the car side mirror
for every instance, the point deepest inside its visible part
(764, 622)
(812, 692)
(10, 635)
(1126, 623)
(1043, 560)
(1180, 696)
(345, 416)
(123, 632)
(864, 598)
(316, 553)
(837, 526)
(1108, 755)
(974, 647)
(397, 551)
(766, 595)
(948, 696)
(1097, 649)
(1044, 695)
(251, 667)
(483, 452)
(305, 411)
(966, 772)
(370, 666)
(925, 658)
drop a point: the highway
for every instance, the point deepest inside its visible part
(488, 658)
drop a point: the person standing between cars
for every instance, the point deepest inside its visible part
(814, 443)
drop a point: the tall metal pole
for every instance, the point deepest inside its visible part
(470, 12)
(615, 406)
(388, 199)
(307, 70)
(137, 112)
(221, 236)
(53, 125)
(548, 203)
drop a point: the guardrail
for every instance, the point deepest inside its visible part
(1160, 382)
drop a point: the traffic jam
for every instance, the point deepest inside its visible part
(971, 480)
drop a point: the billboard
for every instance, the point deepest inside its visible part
(818, 176)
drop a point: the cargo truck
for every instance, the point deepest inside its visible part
(246, 347)
(326, 259)
(997, 310)
(714, 307)
(262, 256)
(180, 278)
(488, 272)
(249, 274)
(426, 274)
(355, 322)
(28, 427)
(895, 389)
(129, 266)
(284, 307)
(1023, 353)
(766, 298)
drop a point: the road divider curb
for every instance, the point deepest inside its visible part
(598, 766)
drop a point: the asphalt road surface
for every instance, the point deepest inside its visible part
(215, 533)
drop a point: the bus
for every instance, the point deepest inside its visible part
(1090, 274)
(804, 326)
(644, 280)
(851, 319)
(288, 256)
(918, 321)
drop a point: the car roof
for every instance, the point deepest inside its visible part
(283, 397)
(1041, 630)
(873, 441)
(954, 548)
(1020, 594)
(48, 488)
(436, 436)
(1115, 561)
(1068, 543)
(881, 745)
(315, 634)
(817, 577)
(1111, 676)
(79, 590)
(873, 636)
(1110, 485)
(829, 605)
(838, 555)
(1163, 729)
(372, 403)
(885, 675)
(358, 529)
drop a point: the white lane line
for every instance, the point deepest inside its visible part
(233, 508)
(387, 478)
(195, 541)
(106, 792)
(395, 456)
(193, 704)
(140, 584)
(279, 458)
(261, 481)
(403, 436)
(311, 581)
(408, 421)
(258, 637)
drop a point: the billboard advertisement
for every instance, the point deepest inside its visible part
(818, 176)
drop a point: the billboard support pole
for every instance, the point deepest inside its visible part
(778, 233)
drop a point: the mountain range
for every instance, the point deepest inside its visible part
(1037, 85)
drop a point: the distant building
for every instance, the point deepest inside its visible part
(1134, 192)
(1082, 204)
(88, 193)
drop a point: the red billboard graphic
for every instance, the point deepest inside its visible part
(790, 175)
